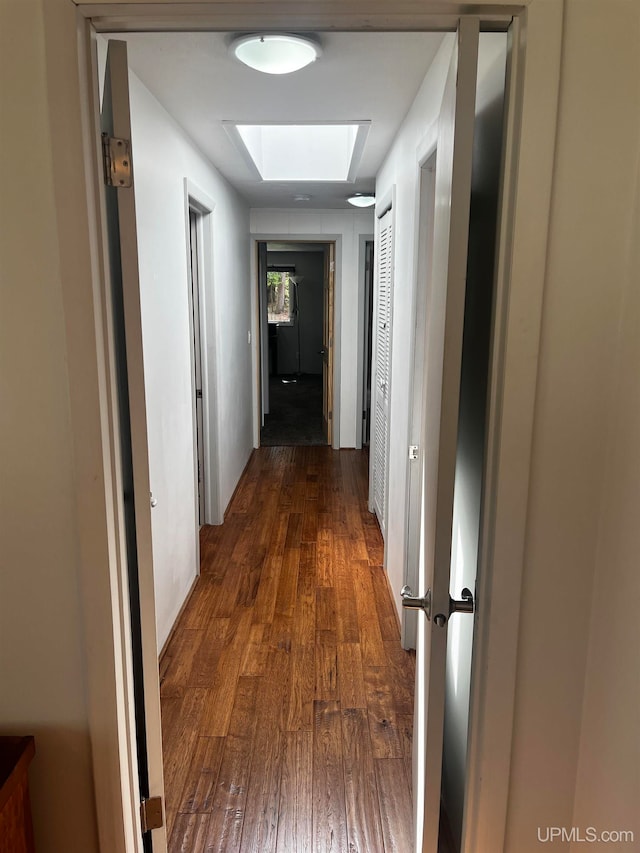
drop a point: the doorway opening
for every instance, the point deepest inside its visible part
(367, 348)
(295, 286)
(202, 329)
(194, 254)
(244, 586)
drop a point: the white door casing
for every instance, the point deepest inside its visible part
(443, 356)
(424, 242)
(198, 202)
(263, 323)
(328, 335)
(127, 344)
(194, 280)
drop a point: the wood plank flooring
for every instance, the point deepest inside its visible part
(287, 700)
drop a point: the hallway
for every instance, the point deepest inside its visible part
(287, 700)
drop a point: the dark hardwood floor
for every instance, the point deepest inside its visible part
(287, 700)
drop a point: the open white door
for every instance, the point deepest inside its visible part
(327, 343)
(443, 355)
(194, 280)
(132, 422)
(264, 330)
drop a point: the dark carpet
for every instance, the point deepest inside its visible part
(295, 411)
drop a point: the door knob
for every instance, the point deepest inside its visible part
(465, 604)
(411, 602)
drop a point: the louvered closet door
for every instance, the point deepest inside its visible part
(382, 369)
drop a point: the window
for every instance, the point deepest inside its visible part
(280, 295)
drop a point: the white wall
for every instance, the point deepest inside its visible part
(163, 157)
(608, 774)
(346, 225)
(42, 640)
(608, 778)
(400, 170)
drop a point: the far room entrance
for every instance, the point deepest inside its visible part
(295, 295)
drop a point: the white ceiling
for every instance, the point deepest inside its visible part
(363, 76)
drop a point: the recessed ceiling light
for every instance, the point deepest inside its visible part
(362, 199)
(275, 53)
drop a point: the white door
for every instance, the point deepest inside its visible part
(136, 521)
(443, 353)
(264, 329)
(194, 269)
(414, 492)
(382, 370)
(327, 343)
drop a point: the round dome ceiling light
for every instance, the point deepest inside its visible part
(362, 199)
(275, 53)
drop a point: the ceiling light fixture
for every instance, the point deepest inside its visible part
(275, 53)
(362, 199)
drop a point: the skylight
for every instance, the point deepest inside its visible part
(301, 152)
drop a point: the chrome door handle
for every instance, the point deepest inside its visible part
(464, 605)
(411, 602)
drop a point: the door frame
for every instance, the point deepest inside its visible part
(256, 331)
(196, 200)
(365, 339)
(328, 335)
(531, 134)
(197, 408)
(425, 157)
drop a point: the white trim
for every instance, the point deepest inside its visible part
(276, 16)
(194, 282)
(196, 199)
(423, 237)
(361, 320)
